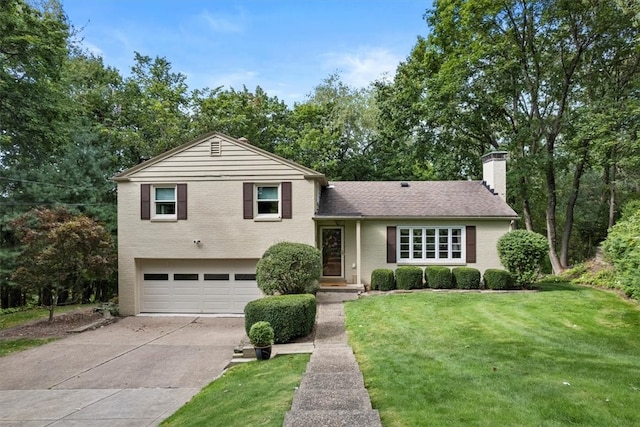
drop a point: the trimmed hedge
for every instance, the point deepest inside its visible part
(522, 252)
(290, 316)
(289, 268)
(409, 277)
(498, 279)
(438, 277)
(466, 278)
(383, 279)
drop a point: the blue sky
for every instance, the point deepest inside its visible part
(286, 47)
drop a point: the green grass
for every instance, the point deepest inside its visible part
(569, 355)
(250, 394)
(8, 346)
(9, 320)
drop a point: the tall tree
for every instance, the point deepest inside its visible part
(256, 116)
(334, 131)
(153, 109)
(514, 75)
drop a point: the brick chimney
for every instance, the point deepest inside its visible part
(494, 173)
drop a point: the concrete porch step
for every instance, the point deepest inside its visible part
(317, 418)
(341, 287)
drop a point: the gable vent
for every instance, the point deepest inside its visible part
(216, 147)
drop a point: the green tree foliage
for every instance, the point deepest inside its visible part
(536, 78)
(622, 246)
(61, 252)
(521, 252)
(289, 268)
(33, 47)
(334, 131)
(153, 110)
(241, 114)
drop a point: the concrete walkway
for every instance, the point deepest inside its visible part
(332, 391)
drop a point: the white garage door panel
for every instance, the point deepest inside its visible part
(197, 286)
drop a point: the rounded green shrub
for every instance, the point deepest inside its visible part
(261, 334)
(466, 278)
(622, 247)
(290, 316)
(521, 252)
(383, 279)
(289, 268)
(438, 277)
(498, 279)
(409, 277)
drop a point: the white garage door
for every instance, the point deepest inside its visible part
(197, 286)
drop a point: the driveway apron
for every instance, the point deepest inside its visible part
(135, 372)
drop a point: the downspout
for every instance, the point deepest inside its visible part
(358, 255)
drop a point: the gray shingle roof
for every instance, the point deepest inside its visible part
(424, 199)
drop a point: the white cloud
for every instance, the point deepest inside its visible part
(92, 49)
(222, 24)
(363, 67)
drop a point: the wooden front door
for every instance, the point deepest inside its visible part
(332, 252)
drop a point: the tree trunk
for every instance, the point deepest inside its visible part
(571, 204)
(54, 302)
(551, 208)
(612, 192)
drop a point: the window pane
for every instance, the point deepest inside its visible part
(443, 243)
(267, 193)
(268, 207)
(417, 243)
(166, 208)
(165, 193)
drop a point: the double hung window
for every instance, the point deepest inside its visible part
(431, 244)
(164, 202)
(268, 201)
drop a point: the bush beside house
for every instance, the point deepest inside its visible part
(291, 316)
(438, 277)
(498, 279)
(289, 268)
(409, 277)
(383, 279)
(521, 252)
(466, 278)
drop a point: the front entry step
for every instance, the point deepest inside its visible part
(340, 287)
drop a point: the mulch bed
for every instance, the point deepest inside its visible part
(60, 325)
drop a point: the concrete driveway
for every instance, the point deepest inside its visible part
(135, 372)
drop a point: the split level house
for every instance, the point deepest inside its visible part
(193, 222)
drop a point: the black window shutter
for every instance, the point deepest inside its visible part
(145, 201)
(391, 245)
(286, 201)
(471, 243)
(182, 201)
(247, 200)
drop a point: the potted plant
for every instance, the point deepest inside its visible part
(261, 336)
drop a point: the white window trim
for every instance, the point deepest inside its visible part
(161, 217)
(267, 217)
(431, 261)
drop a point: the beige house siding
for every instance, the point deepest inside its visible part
(374, 243)
(215, 213)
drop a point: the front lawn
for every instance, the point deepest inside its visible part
(8, 346)
(250, 394)
(568, 355)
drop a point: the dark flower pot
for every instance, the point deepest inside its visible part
(263, 353)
